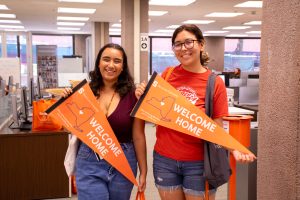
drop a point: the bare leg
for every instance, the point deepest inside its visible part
(171, 195)
(191, 197)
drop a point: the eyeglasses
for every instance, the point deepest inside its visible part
(188, 44)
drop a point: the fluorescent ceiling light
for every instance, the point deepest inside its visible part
(68, 28)
(170, 2)
(173, 26)
(253, 23)
(7, 15)
(164, 31)
(157, 13)
(116, 25)
(76, 10)
(11, 26)
(250, 4)
(63, 18)
(236, 35)
(160, 34)
(3, 7)
(223, 14)
(254, 32)
(82, 1)
(114, 30)
(198, 21)
(9, 21)
(236, 27)
(70, 23)
(215, 32)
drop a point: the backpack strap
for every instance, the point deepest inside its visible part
(169, 72)
(209, 95)
(209, 106)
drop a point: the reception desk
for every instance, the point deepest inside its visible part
(31, 165)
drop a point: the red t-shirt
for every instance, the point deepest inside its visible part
(180, 146)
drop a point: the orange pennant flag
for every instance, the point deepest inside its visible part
(162, 104)
(80, 114)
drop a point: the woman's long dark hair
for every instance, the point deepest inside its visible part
(197, 32)
(125, 81)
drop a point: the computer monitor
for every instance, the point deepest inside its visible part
(15, 115)
(31, 92)
(252, 82)
(39, 87)
(2, 87)
(24, 104)
(10, 84)
(248, 95)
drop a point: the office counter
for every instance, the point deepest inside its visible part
(31, 165)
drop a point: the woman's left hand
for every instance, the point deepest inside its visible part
(243, 157)
(142, 183)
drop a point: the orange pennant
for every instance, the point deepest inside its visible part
(80, 113)
(162, 104)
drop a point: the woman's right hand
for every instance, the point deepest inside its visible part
(140, 89)
(66, 92)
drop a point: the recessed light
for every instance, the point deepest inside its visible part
(9, 21)
(70, 23)
(254, 32)
(157, 13)
(68, 28)
(173, 26)
(7, 15)
(250, 4)
(236, 27)
(198, 21)
(116, 25)
(215, 32)
(114, 30)
(236, 35)
(253, 23)
(76, 10)
(11, 26)
(171, 2)
(63, 18)
(82, 1)
(3, 7)
(223, 14)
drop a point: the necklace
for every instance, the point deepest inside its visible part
(108, 106)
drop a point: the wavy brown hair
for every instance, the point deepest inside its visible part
(204, 59)
(125, 81)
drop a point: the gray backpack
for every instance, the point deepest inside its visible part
(217, 170)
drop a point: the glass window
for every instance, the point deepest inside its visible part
(11, 46)
(242, 53)
(115, 39)
(0, 46)
(64, 45)
(23, 60)
(162, 54)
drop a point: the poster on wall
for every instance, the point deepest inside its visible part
(47, 65)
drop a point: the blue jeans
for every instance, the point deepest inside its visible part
(171, 174)
(98, 179)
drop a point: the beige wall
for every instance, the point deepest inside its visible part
(278, 164)
(215, 47)
(80, 47)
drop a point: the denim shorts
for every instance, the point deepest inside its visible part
(171, 174)
(97, 179)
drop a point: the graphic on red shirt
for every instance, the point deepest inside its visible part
(189, 93)
(164, 106)
(80, 115)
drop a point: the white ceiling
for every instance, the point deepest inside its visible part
(40, 15)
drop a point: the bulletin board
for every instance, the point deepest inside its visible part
(10, 67)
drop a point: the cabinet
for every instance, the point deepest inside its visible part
(31, 165)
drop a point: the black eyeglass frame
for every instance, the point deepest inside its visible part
(183, 43)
